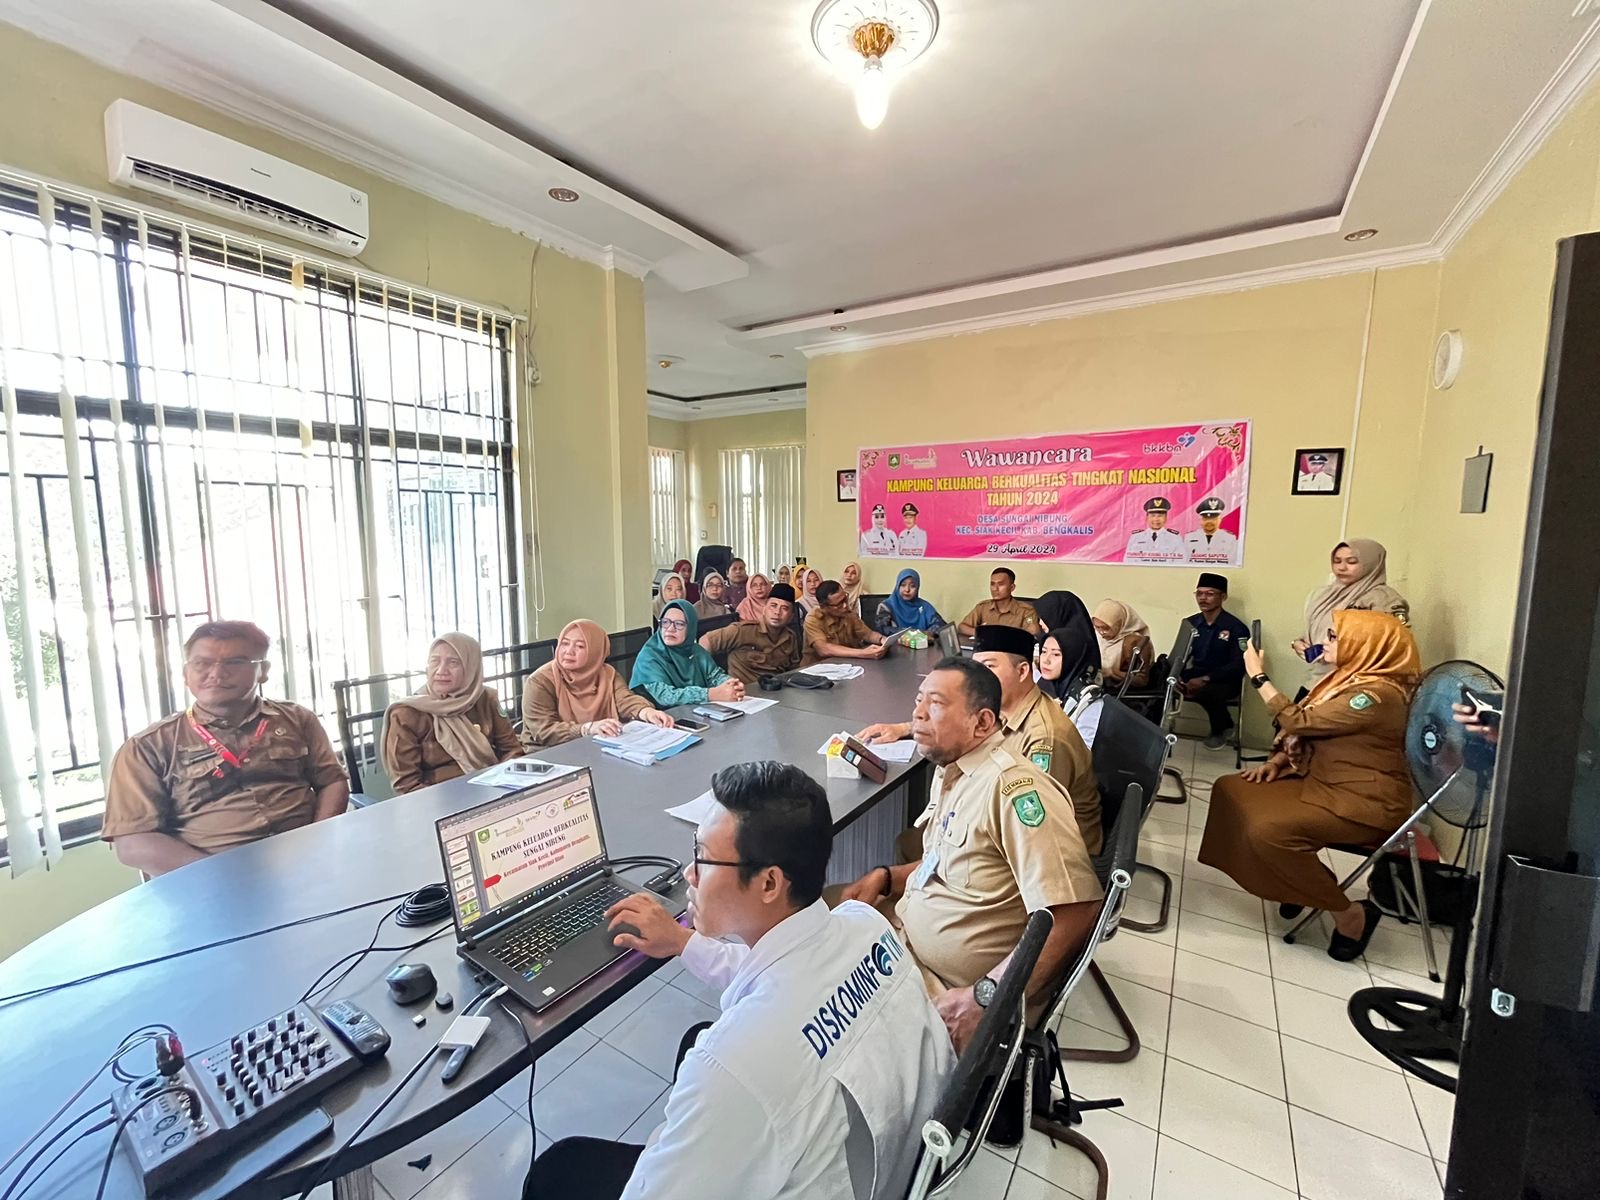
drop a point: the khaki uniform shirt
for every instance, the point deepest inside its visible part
(418, 758)
(1006, 845)
(164, 779)
(1039, 731)
(541, 709)
(841, 628)
(753, 652)
(1351, 750)
(1018, 614)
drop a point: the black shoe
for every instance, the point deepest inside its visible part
(1290, 911)
(1346, 949)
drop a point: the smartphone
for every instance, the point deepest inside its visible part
(690, 724)
(1255, 633)
(1484, 710)
(530, 766)
(718, 712)
(1313, 652)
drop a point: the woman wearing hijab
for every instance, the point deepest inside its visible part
(811, 578)
(452, 727)
(1337, 774)
(755, 598)
(904, 607)
(785, 574)
(1360, 581)
(673, 587)
(673, 668)
(713, 596)
(684, 569)
(1122, 634)
(1059, 610)
(850, 579)
(1069, 656)
(578, 693)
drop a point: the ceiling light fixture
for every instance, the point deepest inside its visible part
(870, 42)
(774, 356)
(1361, 235)
(668, 360)
(838, 328)
(564, 194)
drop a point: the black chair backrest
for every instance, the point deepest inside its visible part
(1128, 749)
(625, 647)
(710, 624)
(712, 558)
(867, 605)
(970, 1097)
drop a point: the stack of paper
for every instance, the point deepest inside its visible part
(895, 752)
(511, 775)
(749, 705)
(835, 671)
(643, 743)
(696, 810)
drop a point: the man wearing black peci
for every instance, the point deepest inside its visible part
(1216, 660)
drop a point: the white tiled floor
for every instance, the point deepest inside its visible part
(1251, 1083)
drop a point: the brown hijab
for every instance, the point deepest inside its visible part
(460, 737)
(585, 693)
(1374, 648)
(755, 598)
(1325, 601)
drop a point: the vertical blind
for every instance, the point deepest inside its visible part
(761, 504)
(669, 506)
(198, 428)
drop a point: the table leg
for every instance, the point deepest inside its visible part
(356, 1185)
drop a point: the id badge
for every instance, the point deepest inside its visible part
(924, 872)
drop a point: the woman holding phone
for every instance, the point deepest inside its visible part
(1360, 581)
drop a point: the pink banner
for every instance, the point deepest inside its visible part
(1171, 496)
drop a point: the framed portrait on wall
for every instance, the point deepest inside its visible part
(847, 486)
(1318, 471)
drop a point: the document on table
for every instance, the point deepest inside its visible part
(509, 775)
(696, 810)
(750, 705)
(643, 743)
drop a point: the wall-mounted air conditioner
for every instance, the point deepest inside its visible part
(192, 166)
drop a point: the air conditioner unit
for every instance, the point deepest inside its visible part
(192, 166)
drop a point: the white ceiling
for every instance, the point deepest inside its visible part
(1044, 155)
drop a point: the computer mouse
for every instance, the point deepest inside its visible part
(623, 928)
(410, 982)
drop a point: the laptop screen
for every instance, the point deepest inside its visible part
(950, 641)
(516, 849)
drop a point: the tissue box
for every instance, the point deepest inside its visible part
(914, 639)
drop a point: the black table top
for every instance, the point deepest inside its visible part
(56, 1041)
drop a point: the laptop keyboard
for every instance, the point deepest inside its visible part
(529, 948)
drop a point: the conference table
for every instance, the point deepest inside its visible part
(371, 858)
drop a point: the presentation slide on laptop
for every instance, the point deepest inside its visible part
(518, 854)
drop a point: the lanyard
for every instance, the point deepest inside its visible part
(236, 761)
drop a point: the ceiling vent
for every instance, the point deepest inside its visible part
(153, 152)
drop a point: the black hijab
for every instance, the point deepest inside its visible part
(1058, 610)
(1079, 652)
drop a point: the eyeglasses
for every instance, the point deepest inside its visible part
(697, 862)
(674, 624)
(231, 666)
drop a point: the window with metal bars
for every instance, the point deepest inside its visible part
(198, 427)
(669, 506)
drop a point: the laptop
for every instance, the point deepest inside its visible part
(529, 887)
(950, 642)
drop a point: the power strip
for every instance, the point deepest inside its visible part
(255, 1079)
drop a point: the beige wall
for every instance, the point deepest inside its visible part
(586, 417)
(706, 442)
(669, 435)
(1290, 358)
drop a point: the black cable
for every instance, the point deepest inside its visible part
(490, 991)
(418, 908)
(59, 1134)
(425, 906)
(533, 1063)
(32, 993)
(106, 1124)
(171, 1089)
(353, 958)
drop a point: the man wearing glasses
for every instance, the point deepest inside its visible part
(1216, 660)
(234, 767)
(828, 1056)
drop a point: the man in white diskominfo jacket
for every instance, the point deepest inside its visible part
(828, 1056)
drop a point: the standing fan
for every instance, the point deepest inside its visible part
(1453, 768)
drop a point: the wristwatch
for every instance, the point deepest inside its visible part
(1257, 680)
(983, 991)
(888, 877)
